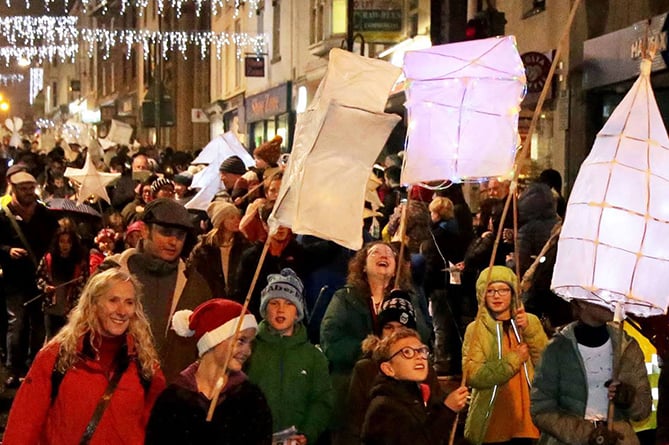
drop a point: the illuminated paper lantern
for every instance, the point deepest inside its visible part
(463, 102)
(613, 245)
(336, 142)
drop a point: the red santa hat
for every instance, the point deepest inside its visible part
(212, 322)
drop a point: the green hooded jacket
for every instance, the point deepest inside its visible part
(293, 375)
(482, 361)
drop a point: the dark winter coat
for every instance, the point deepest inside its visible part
(293, 375)
(38, 232)
(397, 415)
(242, 416)
(446, 245)
(560, 390)
(206, 259)
(359, 394)
(536, 217)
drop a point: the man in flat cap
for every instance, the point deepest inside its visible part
(158, 265)
(26, 230)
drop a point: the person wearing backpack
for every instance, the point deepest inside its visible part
(96, 381)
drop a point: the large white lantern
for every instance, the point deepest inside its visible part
(463, 101)
(613, 247)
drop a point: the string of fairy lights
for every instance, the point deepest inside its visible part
(48, 38)
(141, 5)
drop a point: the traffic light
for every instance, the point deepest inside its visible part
(485, 24)
(477, 28)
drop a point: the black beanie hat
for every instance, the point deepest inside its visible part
(233, 165)
(397, 307)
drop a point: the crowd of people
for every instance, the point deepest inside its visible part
(126, 323)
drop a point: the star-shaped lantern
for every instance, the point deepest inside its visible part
(91, 181)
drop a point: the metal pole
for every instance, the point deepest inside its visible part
(349, 24)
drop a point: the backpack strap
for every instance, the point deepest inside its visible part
(57, 377)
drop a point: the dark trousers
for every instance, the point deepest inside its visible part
(53, 324)
(25, 331)
(450, 316)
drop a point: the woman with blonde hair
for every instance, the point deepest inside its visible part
(97, 379)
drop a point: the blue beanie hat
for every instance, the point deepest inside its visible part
(286, 285)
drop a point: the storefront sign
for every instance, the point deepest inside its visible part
(254, 66)
(537, 66)
(270, 103)
(379, 20)
(616, 57)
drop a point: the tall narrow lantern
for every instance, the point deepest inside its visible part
(613, 246)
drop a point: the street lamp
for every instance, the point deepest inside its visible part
(4, 105)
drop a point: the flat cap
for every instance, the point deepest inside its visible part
(167, 212)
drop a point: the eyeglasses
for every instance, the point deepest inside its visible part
(408, 352)
(504, 292)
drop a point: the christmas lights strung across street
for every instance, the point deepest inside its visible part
(60, 37)
(8, 79)
(176, 5)
(39, 53)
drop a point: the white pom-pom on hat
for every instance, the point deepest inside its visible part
(181, 323)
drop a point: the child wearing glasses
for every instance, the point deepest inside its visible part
(403, 410)
(501, 348)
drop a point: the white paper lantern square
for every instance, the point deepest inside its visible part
(656, 231)
(621, 229)
(614, 244)
(623, 181)
(463, 102)
(586, 227)
(658, 205)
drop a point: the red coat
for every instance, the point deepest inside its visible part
(33, 421)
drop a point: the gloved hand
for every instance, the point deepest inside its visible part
(602, 436)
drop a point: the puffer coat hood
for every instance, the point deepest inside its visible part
(499, 274)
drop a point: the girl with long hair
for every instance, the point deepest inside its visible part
(61, 276)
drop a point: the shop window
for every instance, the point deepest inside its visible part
(276, 31)
(533, 7)
(338, 17)
(316, 22)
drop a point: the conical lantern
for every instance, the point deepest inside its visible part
(613, 246)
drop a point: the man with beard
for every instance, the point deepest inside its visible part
(158, 265)
(26, 230)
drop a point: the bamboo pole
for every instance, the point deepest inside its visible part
(223, 378)
(403, 232)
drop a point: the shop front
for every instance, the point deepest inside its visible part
(270, 113)
(612, 63)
